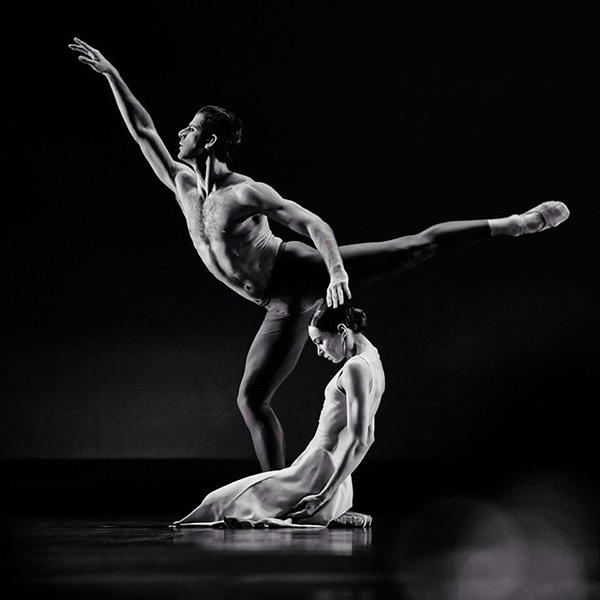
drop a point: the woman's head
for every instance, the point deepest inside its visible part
(332, 330)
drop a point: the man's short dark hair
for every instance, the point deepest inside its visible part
(227, 126)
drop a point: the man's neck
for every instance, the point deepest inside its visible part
(210, 174)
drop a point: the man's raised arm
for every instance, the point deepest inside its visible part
(304, 222)
(136, 117)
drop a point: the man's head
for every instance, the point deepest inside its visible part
(213, 129)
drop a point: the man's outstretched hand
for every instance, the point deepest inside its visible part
(92, 57)
(338, 289)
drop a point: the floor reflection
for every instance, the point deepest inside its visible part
(338, 542)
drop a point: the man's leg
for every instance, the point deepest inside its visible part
(271, 358)
(370, 261)
(301, 276)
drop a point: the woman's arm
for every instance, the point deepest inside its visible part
(354, 380)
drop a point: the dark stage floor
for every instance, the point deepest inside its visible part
(531, 536)
(115, 557)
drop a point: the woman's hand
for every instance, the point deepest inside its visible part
(92, 57)
(307, 507)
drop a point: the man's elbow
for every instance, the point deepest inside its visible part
(142, 133)
(316, 226)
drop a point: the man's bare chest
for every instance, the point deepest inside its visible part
(211, 217)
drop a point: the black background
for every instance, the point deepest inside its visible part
(381, 120)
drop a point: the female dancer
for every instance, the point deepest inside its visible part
(317, 488)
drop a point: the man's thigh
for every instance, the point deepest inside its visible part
(366, 262)
(274, 352)
(299, 279)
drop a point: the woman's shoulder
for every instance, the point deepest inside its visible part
(370, 361)
(369, 356)
(356, 367)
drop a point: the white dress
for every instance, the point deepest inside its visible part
(265, 498)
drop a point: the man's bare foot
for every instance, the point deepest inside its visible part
(543, 216)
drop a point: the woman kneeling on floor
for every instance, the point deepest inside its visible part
(316, 489)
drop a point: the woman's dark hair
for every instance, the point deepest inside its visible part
(227, 126)
(326, 318)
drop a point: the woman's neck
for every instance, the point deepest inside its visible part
(357, 344)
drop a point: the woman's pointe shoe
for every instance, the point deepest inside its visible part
(551, 214)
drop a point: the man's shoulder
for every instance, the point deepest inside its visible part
(184, 173)
(253, 192)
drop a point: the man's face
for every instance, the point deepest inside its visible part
(191, 139)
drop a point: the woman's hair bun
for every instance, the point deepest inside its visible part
(327, 318)
(358, 319)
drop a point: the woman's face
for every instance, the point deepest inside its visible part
(329, 345)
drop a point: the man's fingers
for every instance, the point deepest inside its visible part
(334, 298)
(84, 44)
(86, 60)
(77, 48)
(82, 51)
(337, 293)
(347, 290)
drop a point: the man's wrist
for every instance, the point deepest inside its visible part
(338, 269)
(111, 74)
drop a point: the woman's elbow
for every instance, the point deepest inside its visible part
(361, 443)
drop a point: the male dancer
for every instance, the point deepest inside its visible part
(227, 217)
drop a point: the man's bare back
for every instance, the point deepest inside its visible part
(230, 234)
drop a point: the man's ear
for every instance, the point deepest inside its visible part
(341, 328)
(211, 142)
